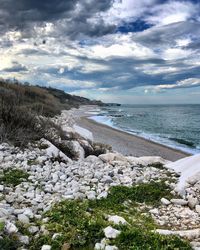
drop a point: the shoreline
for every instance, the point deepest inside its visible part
(126, 143)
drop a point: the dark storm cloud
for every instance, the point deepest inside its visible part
(71, 14)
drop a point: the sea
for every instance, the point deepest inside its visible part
(176, 126)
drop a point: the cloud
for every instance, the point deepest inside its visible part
(15, 67)
(186, 83)
(108, 46)
(173, 12)
(54, 17)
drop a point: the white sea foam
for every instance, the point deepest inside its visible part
(103, 119)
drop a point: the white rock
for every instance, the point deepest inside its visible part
(54, 177)
(197, 208)
(3, 213)
(10, 198)
(192, 202)
(1, 188)
(180, 202)
(46, 247)
(91, 195)
(189, 234)
(28, 212)
(23, 219)
(33, 229)
(110, 232)
(154, 211)
(102, 195)
(53, 151)
(189, 169)
(99, 246)
(117, 220)
(83, 132)
(165, 201)
(109, 157)
(195, 245)
(111, 248)
(11, 228)
(93, 159)
(24, 239)
(56, 235)
(76, 148)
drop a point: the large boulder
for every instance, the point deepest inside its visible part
(53, 152)
(86, 134)
(75, 149)
(110, 157)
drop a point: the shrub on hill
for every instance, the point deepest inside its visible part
(21, 108)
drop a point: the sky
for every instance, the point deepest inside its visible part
(126, 51)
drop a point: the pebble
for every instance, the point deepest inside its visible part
(165, 201)
(11, 228)
(23, 219)
(111, 233)
(117, 220)
(46, 247)
(180, 202)
(197, 208)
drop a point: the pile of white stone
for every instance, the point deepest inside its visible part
(53, 176)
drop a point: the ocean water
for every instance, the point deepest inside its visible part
(177, 126)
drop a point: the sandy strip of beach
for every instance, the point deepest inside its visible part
(126, 143)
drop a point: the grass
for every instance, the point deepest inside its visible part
(137, 239)
(2, 225)
(157, 165)
(149, 193)
(9, 243)
(13, 177)
(81, 223)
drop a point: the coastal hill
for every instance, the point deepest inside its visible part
(61, 190)
(49, 101)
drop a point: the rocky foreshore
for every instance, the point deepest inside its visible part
(36, 178)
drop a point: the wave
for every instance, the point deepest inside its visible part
(176, 143)
(183, 141)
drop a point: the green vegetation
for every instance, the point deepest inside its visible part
(81, 223)
(22, 105)
(2, 225)
(9, 243)
(157, 165)
(149, 193)
(137, 239)
(13, 177)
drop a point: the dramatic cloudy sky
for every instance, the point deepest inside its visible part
(128, 51)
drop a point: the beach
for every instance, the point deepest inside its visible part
(123, 142)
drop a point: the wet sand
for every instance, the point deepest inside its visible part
(126, 143)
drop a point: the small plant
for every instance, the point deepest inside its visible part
(149, 193)
(9, 243)
(2, 225)
(13, 177)
(32, 162)
(137, 239)
(75, 224)
(157, 165)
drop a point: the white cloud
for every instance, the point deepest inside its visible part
(186, 83)
(172, 12)
(127, 10)
(183, 42)
(176, 53)
(120, 46)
